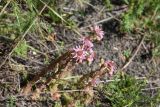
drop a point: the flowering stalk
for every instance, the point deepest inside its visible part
(44, 71)
(91, 79)
(107, 67)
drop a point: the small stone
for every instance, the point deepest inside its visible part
(34, 53)
(115, 48)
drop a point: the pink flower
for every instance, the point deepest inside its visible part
(98, 31)
(79, 54)
(111, 67)
(91, 55)
(87, 43)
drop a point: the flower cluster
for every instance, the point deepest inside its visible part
(84, 52)
(98, 32)
(110, 66)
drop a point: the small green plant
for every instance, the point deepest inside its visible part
(108, 4)
(21, 49)
(141, 14)
(23, 19)
(11, 102)
(156, 39)
(124, 91)
(127, 53)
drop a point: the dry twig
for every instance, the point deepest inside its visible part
(133, 56)
(5, 7)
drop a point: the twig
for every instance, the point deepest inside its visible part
(154, 88)
(145, 47)
(133, 56)
(72, 77)
(107, 81)
(5, 7)
(69, 91)
(90, 5)
(125, 7)
(99, 22)
(104, 20)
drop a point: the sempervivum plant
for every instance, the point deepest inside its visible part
(63, 66)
